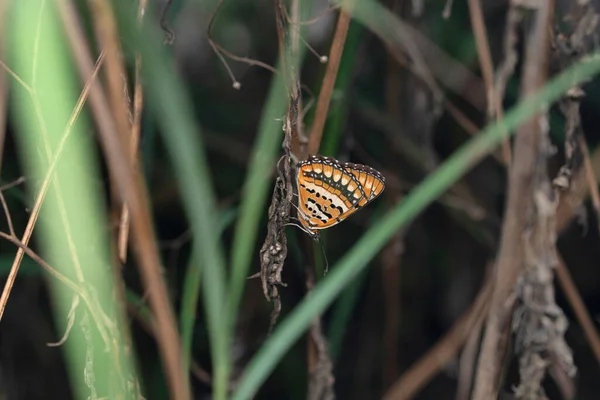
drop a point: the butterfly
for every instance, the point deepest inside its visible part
(330, 191)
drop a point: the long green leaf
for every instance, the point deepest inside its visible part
(169, 101)
(71, 230)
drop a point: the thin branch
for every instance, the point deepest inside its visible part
(520, 196)
(487, 68)
(14, 183)
(581, 313)
(95, 311)
(11, 228)
(592, 180)
(136, 128)
(335, 56)
(16, 77)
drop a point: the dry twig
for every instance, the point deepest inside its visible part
(335, 55)
(136, 128)
(539, 324)
(511, 256)
(487, 68)
(274, 249)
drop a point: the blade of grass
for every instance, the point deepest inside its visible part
(169, 101)
(78, 234)
(263, 363)
(191, 292)
(342, 312)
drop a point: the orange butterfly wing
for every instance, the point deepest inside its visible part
(330, 192)
(370, 179)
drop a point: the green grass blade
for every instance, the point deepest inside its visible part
(191, 292)
(256, 189)
(342, 311)
(366, 248)
(71, 232)
(169, 101)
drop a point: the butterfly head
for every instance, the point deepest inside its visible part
(314, 234)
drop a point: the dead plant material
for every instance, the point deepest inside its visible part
(274, 249)
(573, 131)
(576, 302)
(468, 361)
(538, 323)
(335, 55)
(80, 291)
(485, 60)
(507, 66)
(522, 194)
(136, 128)
(569, 48)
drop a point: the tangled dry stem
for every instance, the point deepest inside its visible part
(539, 324)
(274, 249)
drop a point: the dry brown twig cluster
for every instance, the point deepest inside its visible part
(274, 249)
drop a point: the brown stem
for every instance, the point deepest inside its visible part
(487, 68)
(335, 55)
(520, 195)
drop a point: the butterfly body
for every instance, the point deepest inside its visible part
(330, 191)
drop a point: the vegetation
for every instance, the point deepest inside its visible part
(150, 237)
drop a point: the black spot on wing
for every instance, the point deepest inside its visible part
(323, 212)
